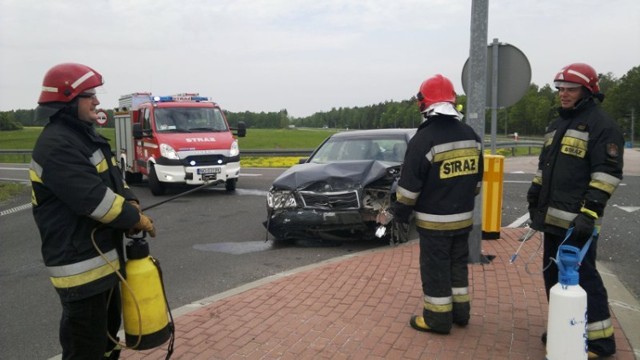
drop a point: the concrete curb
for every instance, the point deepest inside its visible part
(625, 307)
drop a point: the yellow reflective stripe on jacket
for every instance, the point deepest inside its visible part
(563, 219)
(599, 329)
(99, 161)
(458, 153)
(576, 134)
(559, 217)
(460, 295)
(35, 175)
(444, 222)
(35, 172)
(84, 272)
(109, 208)
(548, 138)
(452, 150)
(574, 147)
(406, 197)
(438, 304)
(537, 179)
(605, 182)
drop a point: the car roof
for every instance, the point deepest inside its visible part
(373, 133)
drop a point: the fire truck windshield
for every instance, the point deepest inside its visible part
(169, 120)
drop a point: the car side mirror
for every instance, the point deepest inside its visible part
(136, 131)
(302, 160)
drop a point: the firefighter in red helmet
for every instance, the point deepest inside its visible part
(441, 174)
(82, 207)
(579, 168)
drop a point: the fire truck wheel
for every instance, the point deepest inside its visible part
(156, 187)
(230, 184)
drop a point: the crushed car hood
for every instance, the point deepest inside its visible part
(339, 175)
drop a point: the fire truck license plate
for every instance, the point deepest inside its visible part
(215, 170)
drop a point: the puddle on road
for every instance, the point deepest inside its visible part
(239, 248)
(235, 248)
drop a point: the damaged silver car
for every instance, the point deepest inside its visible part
(337, 193)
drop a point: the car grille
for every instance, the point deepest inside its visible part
(340, 200)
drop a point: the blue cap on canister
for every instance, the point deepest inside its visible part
(568, 264)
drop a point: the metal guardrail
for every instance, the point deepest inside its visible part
(276, 152)
(258, 152)
(512, 145)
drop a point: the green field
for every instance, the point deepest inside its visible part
(256, 139)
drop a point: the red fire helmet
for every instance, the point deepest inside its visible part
(63, 82)
(434, 90)
(578, 73)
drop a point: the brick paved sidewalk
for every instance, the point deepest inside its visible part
(359, 308)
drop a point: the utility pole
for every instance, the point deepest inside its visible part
(632, 126)
(476, 104)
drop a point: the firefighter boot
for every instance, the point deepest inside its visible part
(418, 323)
(461, 311)
(601, 348)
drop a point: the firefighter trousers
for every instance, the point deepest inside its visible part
(85, 323)
(600, 337)
(445, 280)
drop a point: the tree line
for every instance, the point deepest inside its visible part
(529, 116)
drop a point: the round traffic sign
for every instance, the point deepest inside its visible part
(514, 74)
(102, 118)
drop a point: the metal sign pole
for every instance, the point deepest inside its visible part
(495, 49)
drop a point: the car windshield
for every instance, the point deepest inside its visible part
(341, 149)
(189, 120)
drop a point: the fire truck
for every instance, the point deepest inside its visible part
(178, 139)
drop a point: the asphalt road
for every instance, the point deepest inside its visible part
(207, 242)
(212, 241)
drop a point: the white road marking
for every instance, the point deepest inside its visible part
(15, 209)
(628, 209)
(519, 221)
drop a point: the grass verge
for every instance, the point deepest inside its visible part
(8, 190)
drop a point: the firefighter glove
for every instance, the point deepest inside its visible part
(583, 226)
(145, 224)
(135, 205)
(533, 207)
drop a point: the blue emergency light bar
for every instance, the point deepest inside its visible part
(179, 98)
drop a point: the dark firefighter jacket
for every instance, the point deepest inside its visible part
(441, 174)
(76, 188)
(579, 168)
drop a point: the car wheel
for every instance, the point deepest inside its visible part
(230, 184)
(156, 187)
(401, 233)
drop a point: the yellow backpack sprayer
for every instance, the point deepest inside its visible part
(147, 317)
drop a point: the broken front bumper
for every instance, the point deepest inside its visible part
(305, 223)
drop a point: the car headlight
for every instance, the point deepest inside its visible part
(235, 149)
(168, 152)
(281, 199)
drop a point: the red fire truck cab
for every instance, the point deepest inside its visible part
(179, 139)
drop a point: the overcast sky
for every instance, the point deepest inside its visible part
(301, 55)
